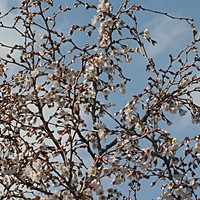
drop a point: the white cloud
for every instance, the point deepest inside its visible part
(8, 36)
(171, 35)
(196, 98)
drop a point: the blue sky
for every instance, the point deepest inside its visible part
(171, 35)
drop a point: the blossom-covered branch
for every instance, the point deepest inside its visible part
(63, 134)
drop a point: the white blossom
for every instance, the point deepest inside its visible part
(146, 33)
(35, 72)
(138, 126)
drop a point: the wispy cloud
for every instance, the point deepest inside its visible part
(171, 35)
(8, 36)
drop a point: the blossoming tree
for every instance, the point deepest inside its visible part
(62, 135)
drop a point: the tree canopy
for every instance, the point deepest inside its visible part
(70, 128)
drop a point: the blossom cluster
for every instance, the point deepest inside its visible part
(63, 134)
